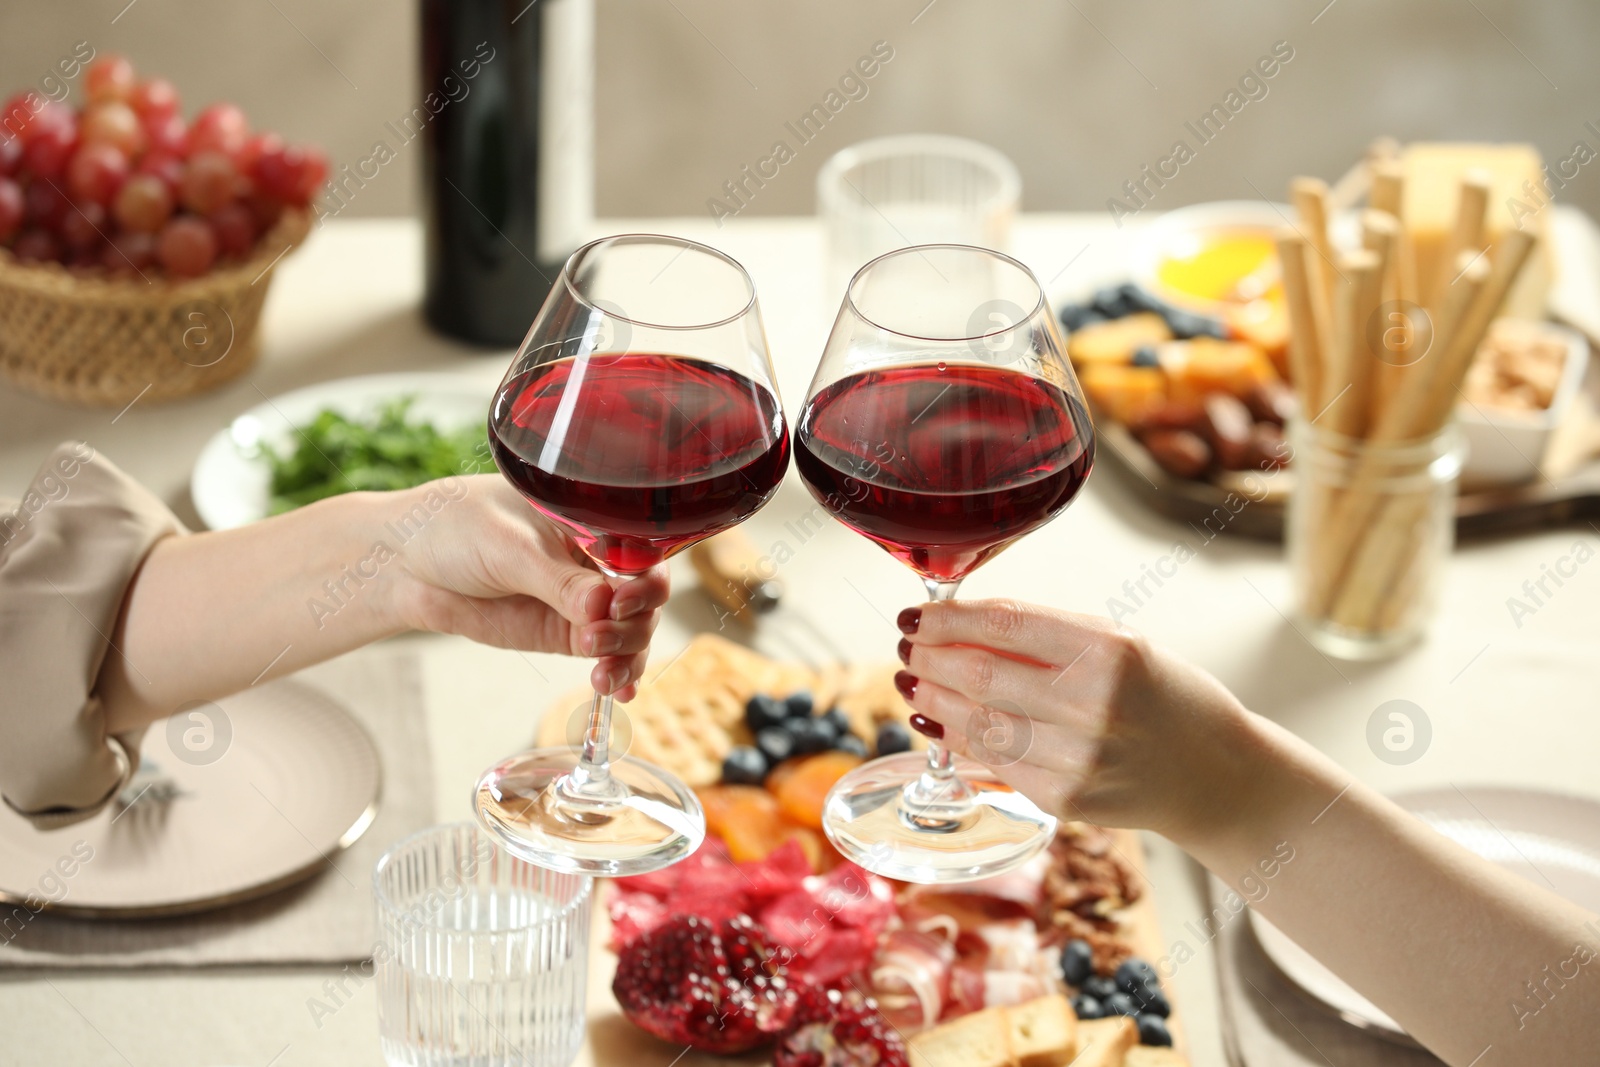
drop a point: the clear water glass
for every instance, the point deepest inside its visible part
(482, 958)
(912, 189)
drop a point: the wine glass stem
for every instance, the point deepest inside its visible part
(594, 765)
(941, 764)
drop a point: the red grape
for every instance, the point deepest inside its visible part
(12, 208)
(154, 98)
(187, 246)
(293, 175)
(96, 172)
(257, 146)
(127, 253)
(166, 133)
(236, 229)
(144, 204)
(164, 165)
(37, 246)
(113, 122)
(10, 153)
(110, 77)
(46, 205)
(265, 208)
(84, 226)
(27, 113)
(219, 128)
(49, 149)
(209, 181)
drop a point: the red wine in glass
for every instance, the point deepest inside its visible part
(944, 465)
(650, 454)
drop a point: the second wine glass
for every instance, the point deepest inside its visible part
(641, 415)
(944, 422)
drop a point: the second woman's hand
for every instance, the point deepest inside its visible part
(1095, 723)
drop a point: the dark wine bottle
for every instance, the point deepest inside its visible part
(508, 162)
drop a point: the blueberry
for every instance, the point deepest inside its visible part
(1152, 1001)
(1077, 316)
(799, 705)
(775, 743)
(1153, 1030)
(811, 735)
(1077, 961)
(1186, 324)
(763, 711)
(744, 765)
(1146, 356)
(1087, 1007)
(893, 737)
(1111, 302)
(1135, 975)
(1120, 1004)
(852, 744)
(840, 721)
(1099, 987)
(1136, 298)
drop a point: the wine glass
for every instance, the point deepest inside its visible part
(944, 422)
(641, 414)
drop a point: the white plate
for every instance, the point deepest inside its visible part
(1551, 840)
(252, 793)
(230, 480)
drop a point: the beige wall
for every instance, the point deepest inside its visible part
(1080, 93)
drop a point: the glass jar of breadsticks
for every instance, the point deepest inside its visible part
(1370, 528)
(1379, 346)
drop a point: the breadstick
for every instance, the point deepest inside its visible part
(1305, 358)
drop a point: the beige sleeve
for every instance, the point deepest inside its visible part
(68, 551)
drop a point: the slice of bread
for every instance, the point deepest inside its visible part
(1105, 1042)
(1153, 1056)
(981, 1039)
(1044, 1031)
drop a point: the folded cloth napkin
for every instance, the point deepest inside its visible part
(327, 918)
(1266, 1022)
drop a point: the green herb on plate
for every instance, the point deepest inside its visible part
(334, 454)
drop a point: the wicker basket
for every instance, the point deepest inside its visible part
(105, 341)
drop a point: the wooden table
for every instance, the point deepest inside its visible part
(1508, 703)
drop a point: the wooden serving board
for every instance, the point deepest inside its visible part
(612, 1039)
(1255, 505)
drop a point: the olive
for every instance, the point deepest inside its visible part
(1121, 1004)
(799, 705)
(1134, 975)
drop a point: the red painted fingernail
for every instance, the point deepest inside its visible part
(906, 683)
(926, 727)
(908, 620)
(903, 650)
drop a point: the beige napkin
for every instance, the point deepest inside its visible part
(1266, 1022)
(325, 919)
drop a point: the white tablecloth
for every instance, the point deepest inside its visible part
(1508, 703)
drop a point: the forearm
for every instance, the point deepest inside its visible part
(1442, 940)
(212, 613)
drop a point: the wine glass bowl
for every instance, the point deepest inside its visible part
(943, 423)
(641, 415)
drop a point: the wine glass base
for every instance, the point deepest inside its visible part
(994, 829)
(648, 820)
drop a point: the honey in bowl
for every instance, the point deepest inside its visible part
(1223, 265)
